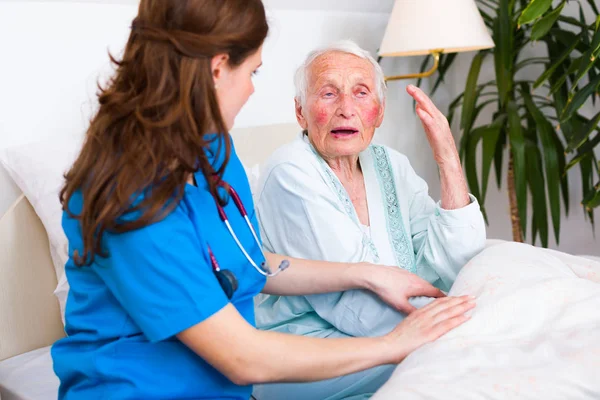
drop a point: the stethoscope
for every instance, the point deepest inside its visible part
(226, 278)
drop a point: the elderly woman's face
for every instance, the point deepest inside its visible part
(342, 107)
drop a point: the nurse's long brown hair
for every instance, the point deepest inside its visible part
(149, 131)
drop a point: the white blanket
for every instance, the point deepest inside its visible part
(535, 333)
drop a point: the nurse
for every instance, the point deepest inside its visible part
(165, 253)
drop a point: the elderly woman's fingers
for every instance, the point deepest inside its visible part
(423, 288)
(423, 100)
(425, 117)
(406, 307)
(431, 291)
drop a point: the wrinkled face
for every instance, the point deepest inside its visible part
(234, 86)
(342, 107)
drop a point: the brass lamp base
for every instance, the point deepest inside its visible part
(436, 62)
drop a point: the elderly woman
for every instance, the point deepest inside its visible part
(333, 195)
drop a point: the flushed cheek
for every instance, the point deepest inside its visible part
(371, 114)
(321, 115)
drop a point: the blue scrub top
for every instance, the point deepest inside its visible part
(124, 311)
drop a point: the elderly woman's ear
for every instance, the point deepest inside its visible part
(299, 116)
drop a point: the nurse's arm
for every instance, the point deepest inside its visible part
(305, 277)
(247, 356)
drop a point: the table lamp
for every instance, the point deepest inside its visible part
(421, 27)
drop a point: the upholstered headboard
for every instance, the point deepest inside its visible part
(29, 312)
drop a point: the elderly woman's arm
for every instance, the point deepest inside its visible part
(446, 235)
(443, 240)
(453, 185)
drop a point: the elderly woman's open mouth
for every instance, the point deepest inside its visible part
(344, 132)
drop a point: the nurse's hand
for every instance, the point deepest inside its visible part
(428, 324)
(396, 286)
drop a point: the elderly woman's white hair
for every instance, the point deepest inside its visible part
(342, 46)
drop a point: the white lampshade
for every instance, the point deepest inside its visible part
(416, 27)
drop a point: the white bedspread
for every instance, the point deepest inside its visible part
(535, 333)
(29, 377)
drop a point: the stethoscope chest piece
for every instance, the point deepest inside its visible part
(228, 282)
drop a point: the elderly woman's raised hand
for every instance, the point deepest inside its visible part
(436, 127)
(454, 187)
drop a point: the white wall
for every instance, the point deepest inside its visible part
(54, 51)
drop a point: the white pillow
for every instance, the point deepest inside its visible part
(38, 169)
(253, 174)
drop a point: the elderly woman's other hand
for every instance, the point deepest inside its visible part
(396, 286)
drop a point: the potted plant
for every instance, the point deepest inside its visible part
(535, 123)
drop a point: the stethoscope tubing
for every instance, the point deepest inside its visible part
(240, 206)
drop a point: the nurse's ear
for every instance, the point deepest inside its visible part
(299, 116)
(219, 66)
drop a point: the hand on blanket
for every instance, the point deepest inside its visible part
(427, 324)
(395, 286)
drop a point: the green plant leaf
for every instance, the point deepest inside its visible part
(541, 27)
(534, 10)
(422, 69)
(579, 99)
(445, 64)
(594, 202)
(588, 58)
(593, 5)
(596, 39)
(564, 179)
(582, 135)
(561, 81)
(517, 145)
(470, 93)
(593, 72)
(548, 72)
(586, 40)
(503, 36)
(487, 18)
(586, 63)
(584, 152)
(470, 160)
(573, 21)
(489, 143)
(498, 159)
(587, 164)
(467, 131)
(592, 199)
(535, 178)
(551, 156)
(566, 38)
